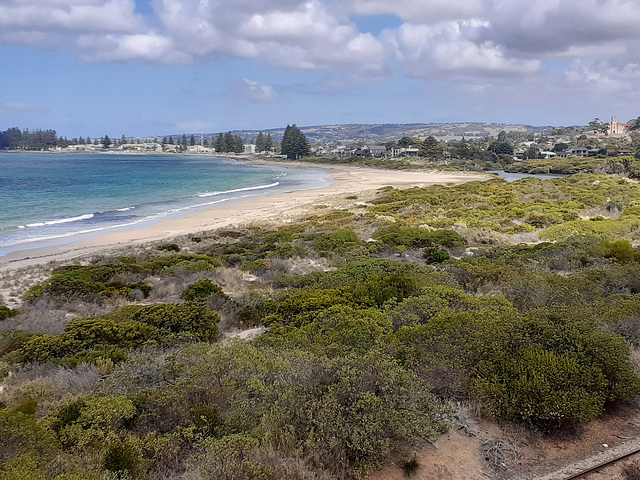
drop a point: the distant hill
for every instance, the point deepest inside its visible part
(333, 134)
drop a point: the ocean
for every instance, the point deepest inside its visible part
(52, 199)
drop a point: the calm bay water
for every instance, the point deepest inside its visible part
(54, 198)
(512, 177)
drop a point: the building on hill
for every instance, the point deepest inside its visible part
(616, 128)
(578, 152)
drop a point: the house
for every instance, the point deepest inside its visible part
(249, 148)
(577, 152)
(405, 152)
(619, 153)
(377, 151)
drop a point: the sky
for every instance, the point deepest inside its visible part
(156, 67)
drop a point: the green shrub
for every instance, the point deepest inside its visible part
(13, 340)
(121, 458)
(107, 336)
(341, 241)
(622, 251)
(170, 247)
(28, 407)
(199, 290)
(24, 467)
(255, 266)
(415, 237)
(6, 312)
(435, 255)
(23, 434)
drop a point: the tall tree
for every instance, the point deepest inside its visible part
(294, 143)
(501, 148)
(106, 141)
(192, 140)
(229, 142)
(220, 144)
(260, 143)
(268, 142)
(596, 125)
(431, 148)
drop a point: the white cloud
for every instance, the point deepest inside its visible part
(252, 92)
(416, 11)
(55, 19)
(23, 107)
(149, 47)
(602, 77)
(448, 51)
(556, 26)
(290, 33)
(468, 42)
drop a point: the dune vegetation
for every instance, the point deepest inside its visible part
(517, 298)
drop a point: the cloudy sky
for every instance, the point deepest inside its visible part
(142, 67)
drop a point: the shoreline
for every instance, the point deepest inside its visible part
(347, 180)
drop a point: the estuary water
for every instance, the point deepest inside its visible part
(512, 177)
(55, 198)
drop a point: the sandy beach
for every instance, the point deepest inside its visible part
(346, 181)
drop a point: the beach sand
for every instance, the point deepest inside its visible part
(346, 181)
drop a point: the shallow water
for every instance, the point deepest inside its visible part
(55, 198)
(512, 177)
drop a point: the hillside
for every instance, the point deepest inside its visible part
(356, 132)
(392, 131)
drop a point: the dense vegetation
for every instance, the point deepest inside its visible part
(519, 298)
(294, 144)
(628, 166)
(14, 139)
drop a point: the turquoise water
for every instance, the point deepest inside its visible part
(55, 198)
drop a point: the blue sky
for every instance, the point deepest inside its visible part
(154, 67)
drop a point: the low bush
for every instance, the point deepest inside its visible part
(415, 237)
(200, 290)
(6, 312)
(341, 241)
(131, 327)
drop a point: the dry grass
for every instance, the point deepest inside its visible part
(502, 453)
(634, 358)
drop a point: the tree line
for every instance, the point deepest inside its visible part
(15, 139)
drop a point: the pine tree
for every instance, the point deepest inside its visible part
(229, 142)
(170, 140)
(294, 143)
(268, 142)
(431, 148)
(184, 140)
(192, 140)
(260, 143)
(220, 145)
(106, 141)
(239, 144)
